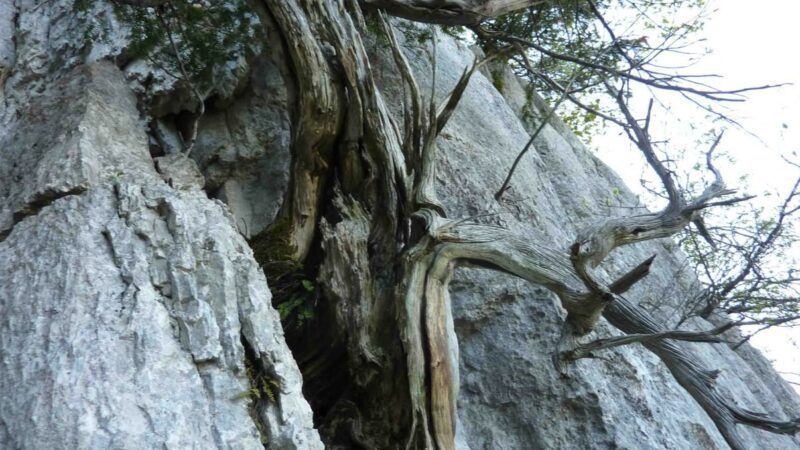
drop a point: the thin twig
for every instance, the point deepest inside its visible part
(506, 183)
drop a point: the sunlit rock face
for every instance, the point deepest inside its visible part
(129, 296)
(128, 299)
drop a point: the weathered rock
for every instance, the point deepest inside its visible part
(7, 12)
(179, 171)
(127, 303)
(244, 148)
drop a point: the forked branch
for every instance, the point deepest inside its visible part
(586, 350)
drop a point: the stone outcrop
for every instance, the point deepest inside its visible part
(129, 302)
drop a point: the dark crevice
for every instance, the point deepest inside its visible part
(156, 142)
(316, 344)
(309, 323)
(39, 202)
(263, 389)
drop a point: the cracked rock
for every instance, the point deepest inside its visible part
(124, 305)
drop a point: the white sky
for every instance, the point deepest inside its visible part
(752, 43)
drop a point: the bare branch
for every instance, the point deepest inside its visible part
(545, 121)
(425, 182)
(632, 277)
(449, 106)
(733, 95)
(642, 140)
(142, 3)
(699, 383)
(413, 116)
(574, 100)
(452, 12)
(549, 268)
(585, 350)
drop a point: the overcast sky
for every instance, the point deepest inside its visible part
(752, 43)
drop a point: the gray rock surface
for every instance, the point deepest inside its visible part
(125, 300)
(243, 149)
(180, 172)
(7, 12)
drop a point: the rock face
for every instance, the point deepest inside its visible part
(130, 300)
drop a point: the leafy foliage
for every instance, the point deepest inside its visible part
(263, 386)
(298, 302)
(207, 33)
(572, 28)
(294, 293)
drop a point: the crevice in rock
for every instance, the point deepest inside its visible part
(262, 391)
(310, 332)
(156, 140)
(321, 355)
(39, 202)
(309, 322)
(42, 200)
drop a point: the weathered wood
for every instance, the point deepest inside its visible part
(412, 123)
(689, 372)
(391, 177)
(449, 12)
(442, 371)
(586, 350)
(526, 260)
(317, 117)
(411, 293)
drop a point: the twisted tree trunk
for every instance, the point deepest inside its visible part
(363, 191)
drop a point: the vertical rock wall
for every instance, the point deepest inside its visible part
(128, 300)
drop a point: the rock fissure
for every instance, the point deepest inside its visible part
(41, 201)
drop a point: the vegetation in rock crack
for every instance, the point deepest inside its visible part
(294, 293)
(208, 34)
(263, 391)
(191, 41)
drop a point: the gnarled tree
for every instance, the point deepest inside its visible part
(395, 248)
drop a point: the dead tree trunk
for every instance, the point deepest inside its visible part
(363, 205)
